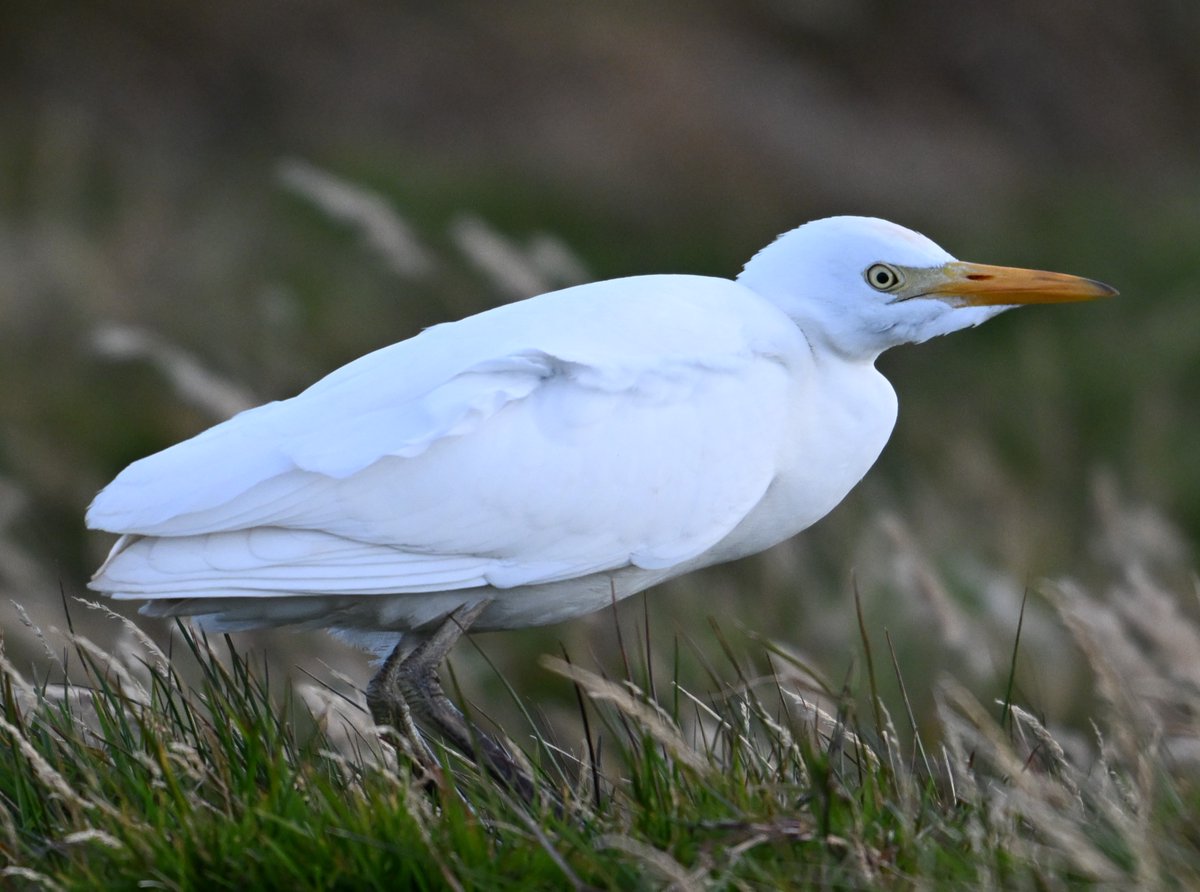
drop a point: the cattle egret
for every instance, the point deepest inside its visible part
(536, 461)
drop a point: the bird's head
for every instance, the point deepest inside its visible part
(860, 285)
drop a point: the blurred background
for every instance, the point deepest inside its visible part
(207, 205)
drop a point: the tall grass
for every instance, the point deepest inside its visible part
(193, 769)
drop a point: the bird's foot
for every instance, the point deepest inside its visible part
(407, 688)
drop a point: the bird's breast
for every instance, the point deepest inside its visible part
(840, 418)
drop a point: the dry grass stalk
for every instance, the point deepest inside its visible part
(145, 642)
(32, 876)
(385, 231)
(648, 715)
(196, 385)
(659, 862)
(54, 782)
(831, 732)
(506, 265)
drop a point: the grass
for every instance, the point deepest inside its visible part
(129, 775)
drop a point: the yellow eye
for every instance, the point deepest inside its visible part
(882, 277)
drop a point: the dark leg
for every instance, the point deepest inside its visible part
(409, 686)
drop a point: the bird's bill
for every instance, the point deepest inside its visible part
(980, 285)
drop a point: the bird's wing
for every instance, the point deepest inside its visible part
(632, 422)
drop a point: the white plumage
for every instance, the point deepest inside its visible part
(552, 453)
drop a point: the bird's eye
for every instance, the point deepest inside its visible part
(882, 277)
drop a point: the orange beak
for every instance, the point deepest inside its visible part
(980, 285)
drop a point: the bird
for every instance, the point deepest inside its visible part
(542, 459)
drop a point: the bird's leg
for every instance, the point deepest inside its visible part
(408, 685)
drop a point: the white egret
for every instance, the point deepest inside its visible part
(533, 462)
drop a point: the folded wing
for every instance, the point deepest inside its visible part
(627, 423)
